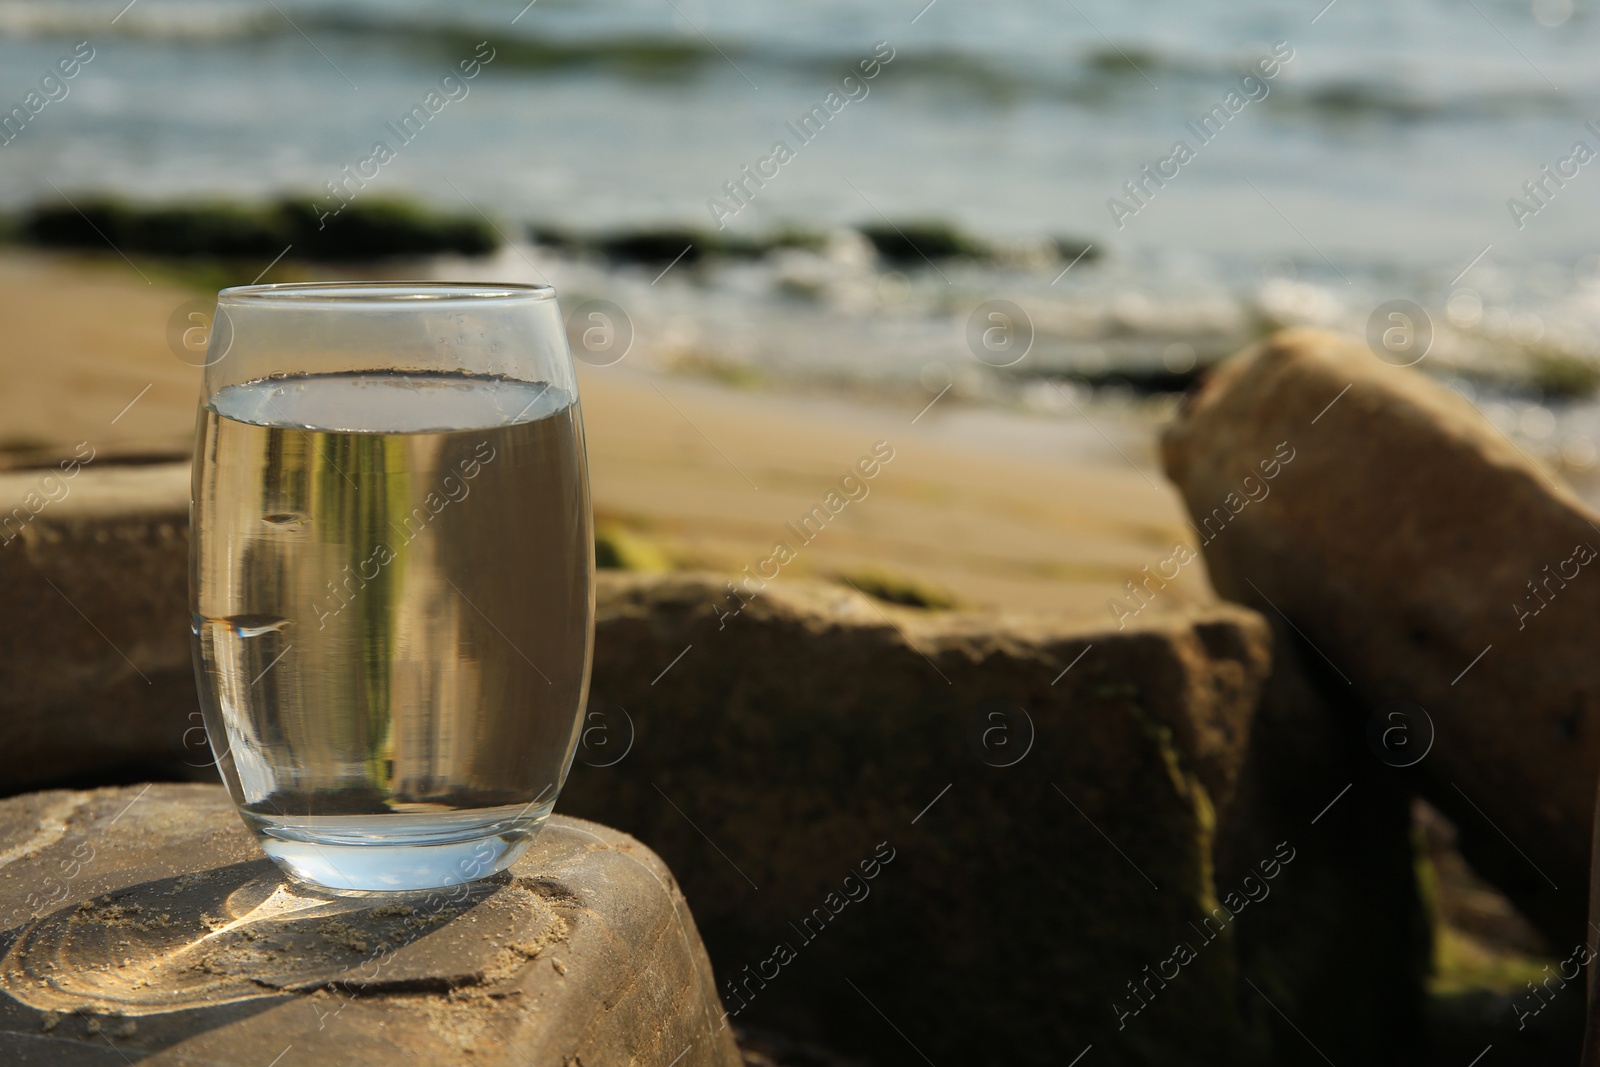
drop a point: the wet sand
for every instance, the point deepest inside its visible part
(1019, 512)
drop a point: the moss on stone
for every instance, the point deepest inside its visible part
(618, 548)
(903, 589)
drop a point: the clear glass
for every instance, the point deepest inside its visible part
(391, 574)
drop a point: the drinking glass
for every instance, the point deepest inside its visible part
(391, 574)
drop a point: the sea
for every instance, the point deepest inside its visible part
(1336, 157)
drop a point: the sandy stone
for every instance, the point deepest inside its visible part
(95, 668)
(1035, 780)
(1036, 862)
(1400, 542)
(1342, 942)
(143, 922)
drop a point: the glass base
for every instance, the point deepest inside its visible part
(395, 852)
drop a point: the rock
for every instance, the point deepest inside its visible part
(1399, 536)
(905, 831)
(1486, 953)
(1344, 949)
(142, 923)
(815, 727)
(95, 668)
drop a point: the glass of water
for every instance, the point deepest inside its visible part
(391, 574)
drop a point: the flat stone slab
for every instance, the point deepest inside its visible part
(930, 836)
(142, 924)
(95, 664)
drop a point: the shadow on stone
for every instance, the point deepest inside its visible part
(236, 933)
(143, 924)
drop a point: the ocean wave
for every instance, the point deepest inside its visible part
(418, 36)
(23, 20)
(662, 55)
(1101, 76)
(1354, 101)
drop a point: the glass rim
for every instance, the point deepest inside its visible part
(391, 293)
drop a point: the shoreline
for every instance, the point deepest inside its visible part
(1005, 511)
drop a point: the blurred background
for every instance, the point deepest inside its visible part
(743, 342)
(593, 148)
(596, 141)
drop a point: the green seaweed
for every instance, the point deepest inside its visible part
(916, 241)
(297, 228)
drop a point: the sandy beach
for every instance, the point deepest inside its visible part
(1021, 513)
